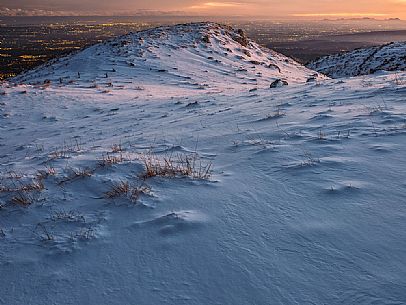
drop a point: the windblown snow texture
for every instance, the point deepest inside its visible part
(305, 202)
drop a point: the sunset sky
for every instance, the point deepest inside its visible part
(298, 8)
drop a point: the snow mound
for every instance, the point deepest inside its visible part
(196, 56)
(389, 57)
(176, 222)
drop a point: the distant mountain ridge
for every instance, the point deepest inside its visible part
(388, 57)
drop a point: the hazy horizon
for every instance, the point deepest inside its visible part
(382, 9)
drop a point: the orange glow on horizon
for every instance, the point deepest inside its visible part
(261, 8)
(302, 8)
(341, 15)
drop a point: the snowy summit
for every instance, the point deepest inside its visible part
(189, 165)
(190, 56)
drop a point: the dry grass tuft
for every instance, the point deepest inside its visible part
(398, 81)
(23, 199)
(84, 234)
(67, 216)
(50, 170)
(309, 159)
(123, 188)
(77, 173)
(116, 148)
(119, 189)
(137, 192)
(180, 165)
(66, 149)
(109, 160)
(322, 136)
(46, 235)
(36, 185)
(23, 192)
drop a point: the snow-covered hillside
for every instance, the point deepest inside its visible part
(390, 57)
(191, 56)
(176, 194)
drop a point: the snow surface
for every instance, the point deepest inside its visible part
(166, 57)
(389, 57)
(305, 203)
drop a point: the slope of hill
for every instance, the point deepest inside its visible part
(190, 56)
(389, 57)
(223, 195)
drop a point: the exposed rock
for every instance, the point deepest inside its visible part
(278, 83)
(273, 66)
(241, 38)
(246, 52)
(206, 39)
